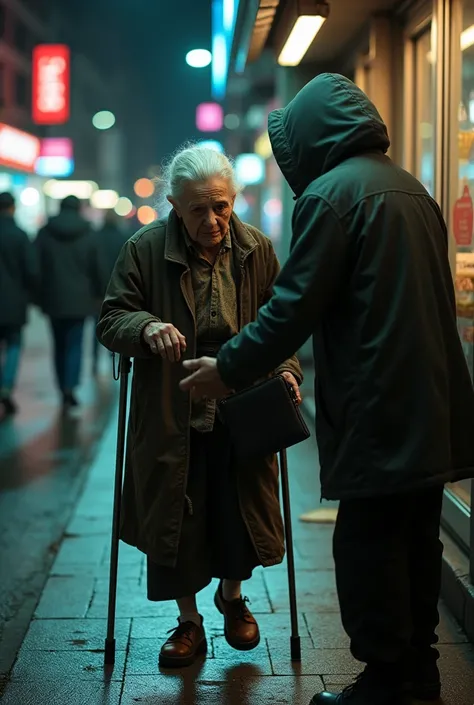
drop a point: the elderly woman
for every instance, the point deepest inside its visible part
(182, 287)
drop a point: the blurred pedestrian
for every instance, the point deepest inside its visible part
(71, 284)
(110, 240)
(369, 278)
(191, 282)
(18, 281)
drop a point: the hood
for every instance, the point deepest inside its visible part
(327, 122)
(68, 225)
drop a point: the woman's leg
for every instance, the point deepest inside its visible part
(188, 610)
(231, 590)
(59, 333)
(234, 556)
(191, 573)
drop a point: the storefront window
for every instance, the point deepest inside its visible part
(424, 111)
(462, 190)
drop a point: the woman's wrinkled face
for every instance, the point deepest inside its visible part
(205, 208)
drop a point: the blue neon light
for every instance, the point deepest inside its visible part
(224, 16)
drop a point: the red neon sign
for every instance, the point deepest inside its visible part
(18, 149)
(51, 84)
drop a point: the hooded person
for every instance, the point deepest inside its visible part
(368, 277)
(71, 284)
(18, 279)
(110, 239)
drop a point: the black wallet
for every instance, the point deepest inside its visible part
(264, 419)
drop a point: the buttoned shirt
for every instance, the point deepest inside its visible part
(216, 313)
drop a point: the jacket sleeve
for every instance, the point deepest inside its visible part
(302, 293)
(123, 318)
(97, 267)
(273, 269)
(30, 268)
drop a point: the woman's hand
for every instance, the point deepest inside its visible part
(288, 377)
(165, 340)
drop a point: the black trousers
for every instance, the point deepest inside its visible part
(388, 558)
(214, 542)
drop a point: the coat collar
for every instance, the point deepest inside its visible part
(175, 245)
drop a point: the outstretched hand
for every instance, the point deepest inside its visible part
(205, 380)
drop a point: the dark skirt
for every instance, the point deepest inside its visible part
(214, 542)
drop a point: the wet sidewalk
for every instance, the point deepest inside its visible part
(61, 659)
(45, 457)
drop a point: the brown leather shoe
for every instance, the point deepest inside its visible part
(240, 626)
(185, 644)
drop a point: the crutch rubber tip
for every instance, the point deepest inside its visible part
(295, 648)
(109, 655)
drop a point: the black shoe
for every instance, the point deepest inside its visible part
(370, 688)
(69, 400)
(426, 679)
(9, 406)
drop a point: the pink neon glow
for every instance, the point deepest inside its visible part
(209, 117)
(56, 147)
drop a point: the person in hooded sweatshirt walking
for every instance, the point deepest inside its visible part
(18, 280)
(368, 277)
(71, 285)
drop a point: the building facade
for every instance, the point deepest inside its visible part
(415, 60)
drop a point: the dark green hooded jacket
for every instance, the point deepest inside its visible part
(72, 278)
(368, 277)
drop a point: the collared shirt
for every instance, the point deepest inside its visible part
(215, 302)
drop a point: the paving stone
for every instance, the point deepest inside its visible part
(279, 624)
(127, 554)
(89, 526)
(67, 665)
(326, 630)
(61, 692)
(73, 634)
(282, 690)
(449, 631)
(66, 597)
(180, 690)
(131, 602)
(316, 590)
(81, 549)
(259, 657)
(313, 661)
(126, 571)
(90, 506)
(156, 627)
(457, 673)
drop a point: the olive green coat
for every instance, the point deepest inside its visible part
(151, 280)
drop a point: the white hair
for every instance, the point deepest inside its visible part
(196, 163)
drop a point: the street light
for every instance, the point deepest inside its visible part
(103, 120)
(198, 58)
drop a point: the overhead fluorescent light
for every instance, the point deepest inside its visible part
(308, 20)
(61, 189)
(104, 199)
(467, 38)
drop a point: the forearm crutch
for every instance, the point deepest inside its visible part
(124, 371)
(295, 642)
